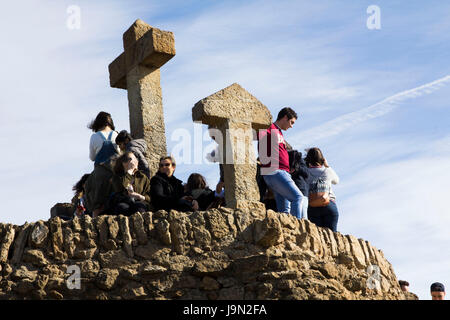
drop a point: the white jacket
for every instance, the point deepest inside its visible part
(96, 143)
(330, 177)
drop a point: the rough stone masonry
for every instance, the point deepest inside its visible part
(216, 254)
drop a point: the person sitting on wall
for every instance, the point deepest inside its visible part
(167, 192)
(79, 199)
(198, 190)
(138, 146)
(131, 187)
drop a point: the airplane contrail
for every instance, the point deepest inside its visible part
(336, 126)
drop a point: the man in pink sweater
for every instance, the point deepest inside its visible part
(275, 164)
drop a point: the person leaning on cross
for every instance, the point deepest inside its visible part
(275, 168)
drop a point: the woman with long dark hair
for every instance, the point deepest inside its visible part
(131, 187)
(102, 145)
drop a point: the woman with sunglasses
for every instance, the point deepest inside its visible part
(131, 187)
(167, 192)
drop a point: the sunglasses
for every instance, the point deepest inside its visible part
(162, 165)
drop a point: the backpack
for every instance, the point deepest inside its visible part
(319, 192)
(107, 150)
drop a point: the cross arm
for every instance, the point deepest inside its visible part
(233, 102)
(153, 49)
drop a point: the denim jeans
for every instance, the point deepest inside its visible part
(305, 203)
(326, 217)
(287, 195)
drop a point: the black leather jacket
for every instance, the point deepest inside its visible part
(166, 193)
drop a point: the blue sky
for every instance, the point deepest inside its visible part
(317, 57)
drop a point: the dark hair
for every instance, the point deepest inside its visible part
(79, 186)
(102, 120)
(118, 166)
(123, 136)
(437, 286)
(295, 162)
(314, 157)
(287, 112)
(196, 181)
(403, 283)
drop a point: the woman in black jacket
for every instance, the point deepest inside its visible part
(167, 192)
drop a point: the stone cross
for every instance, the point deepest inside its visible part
(235, 112)
(146, 49)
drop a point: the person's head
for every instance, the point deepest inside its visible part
(437, 291)
(79, 186)
(123, 138)
(121, 164)
(404, 285)
(286, 118)
(167, 165)
(196, 181)
(314, 157)
(102, 121)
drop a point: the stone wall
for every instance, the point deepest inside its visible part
(217, 254)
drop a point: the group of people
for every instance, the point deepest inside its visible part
(121, 182)
(300, 186)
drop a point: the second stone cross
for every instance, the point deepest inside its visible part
(238, 116)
